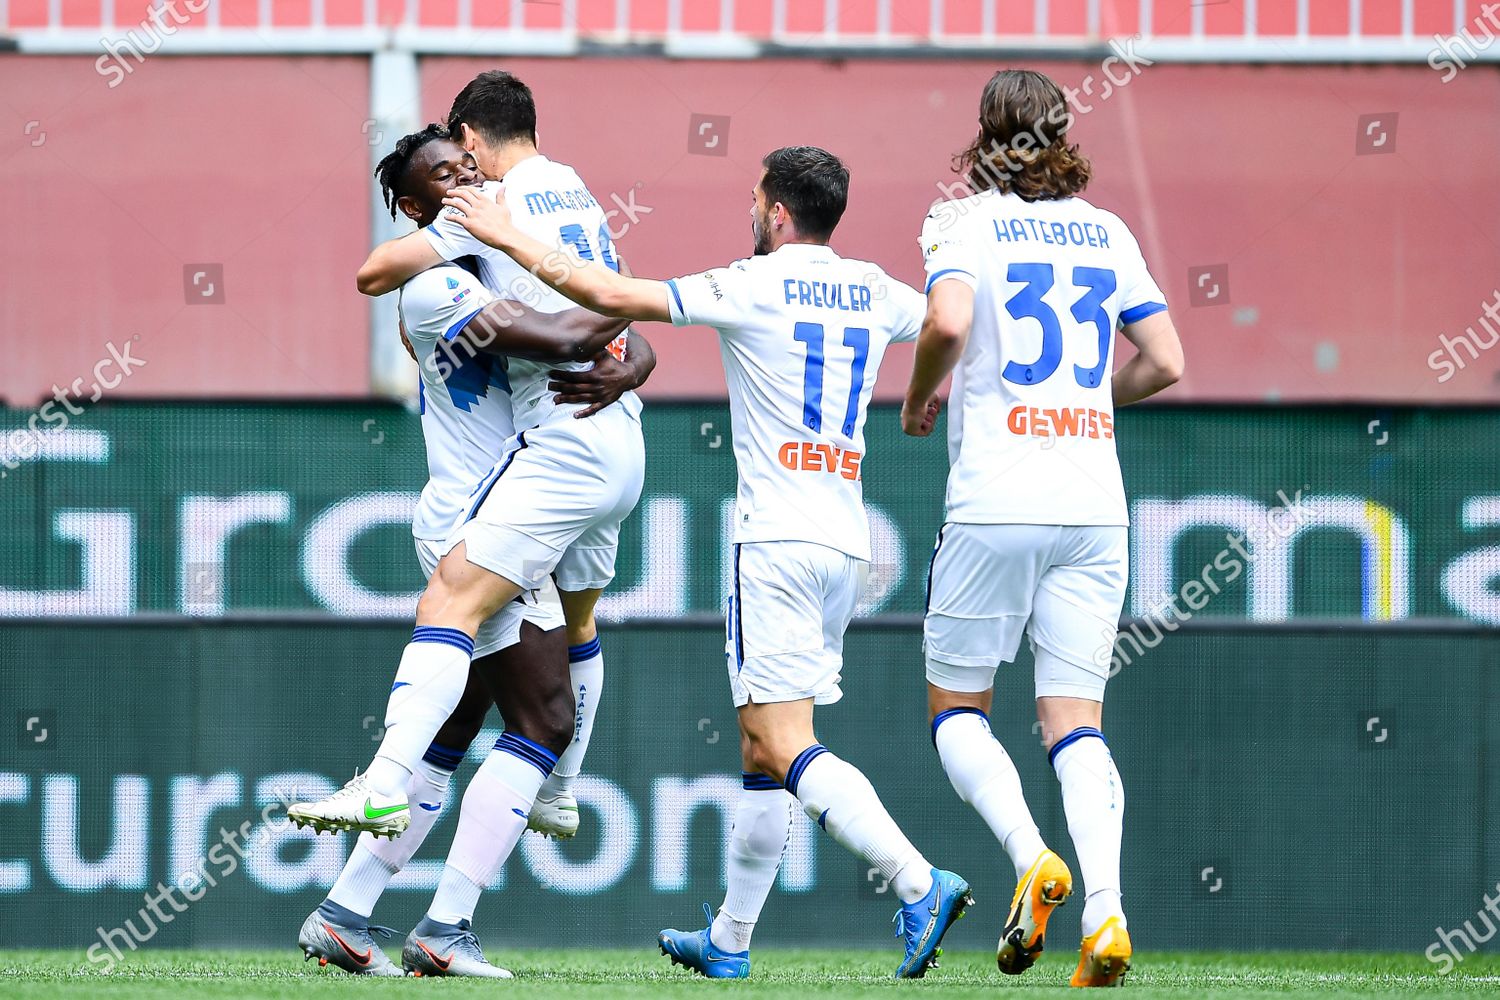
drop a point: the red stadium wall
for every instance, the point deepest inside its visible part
(1343, 269)
(255, 166)
(754, 17)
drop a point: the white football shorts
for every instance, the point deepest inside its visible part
(503, 629)
(1062, 585)
(554, 502)
(789, 606)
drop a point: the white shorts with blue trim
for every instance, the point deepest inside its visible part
(1063, 586)
(502, 630)
(789, 606)
(553, 504)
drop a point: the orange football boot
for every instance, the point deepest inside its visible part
(1045, 887)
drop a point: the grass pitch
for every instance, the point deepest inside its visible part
(793, 975)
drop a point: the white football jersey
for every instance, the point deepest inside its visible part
(1031, 436)
(802, 331)
(548, 202)
(466, 416)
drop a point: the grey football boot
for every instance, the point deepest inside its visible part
(434, 949)
(337, 936)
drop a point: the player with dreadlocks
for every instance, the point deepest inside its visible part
(460, 337)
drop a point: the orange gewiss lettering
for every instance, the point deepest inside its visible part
(809, 456)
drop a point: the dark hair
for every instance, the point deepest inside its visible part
(497, 106)
(1022, 145)
(391, 171)
(812, 183)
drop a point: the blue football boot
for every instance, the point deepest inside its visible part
(921, 925)
(696, 951)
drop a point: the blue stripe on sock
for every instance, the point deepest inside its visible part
(806, 757)
(447, 758)
(448, 636)
(755, 781)
(941, 717)
(1081, 732)
(535, 754)
(585, 651)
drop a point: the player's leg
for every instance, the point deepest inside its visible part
(555, 812)
(758, 838)
(585, 569)
(1078, 606)
(793, 603)
(429, 683)
(528, 681)
(980, 589)
(338, 932)
(509, 541)
(461, 596)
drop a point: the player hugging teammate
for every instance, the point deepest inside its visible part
(1026, 285)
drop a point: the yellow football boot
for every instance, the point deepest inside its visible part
(1104, 957)
(1045, 887)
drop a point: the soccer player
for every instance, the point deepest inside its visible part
(454, 327)
(1026, 283)
(551, 507)
(803, 332)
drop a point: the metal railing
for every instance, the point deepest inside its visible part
(1325, 30)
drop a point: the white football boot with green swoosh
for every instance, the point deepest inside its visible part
(355, 807)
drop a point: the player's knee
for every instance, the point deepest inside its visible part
(1059, 726)
(747, 754)
(549, 723)
(583, 632)
(940, 700)
(460, 729)
(767, 756)
(429, 604)
(578, 612)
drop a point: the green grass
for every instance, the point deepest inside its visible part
(796, 975)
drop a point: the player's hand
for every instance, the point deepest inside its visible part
(918, 420)
(600, 386)
(486, 220)
(406, 342)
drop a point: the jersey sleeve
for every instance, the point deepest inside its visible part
(717, 298)
(450, 239)
(437, 304)
(908, 311)
(1140, 296)
(945, 250)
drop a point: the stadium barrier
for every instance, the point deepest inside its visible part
(1266, 514)
(188, 643)
(1318, 775)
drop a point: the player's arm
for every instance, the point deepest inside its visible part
(395, 262)
(593, 286)
(641, 356)
(519, 331)
(608, 379)
(940, 345)
(1158, 363)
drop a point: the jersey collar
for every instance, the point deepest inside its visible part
(812, 250)
(527, 164)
